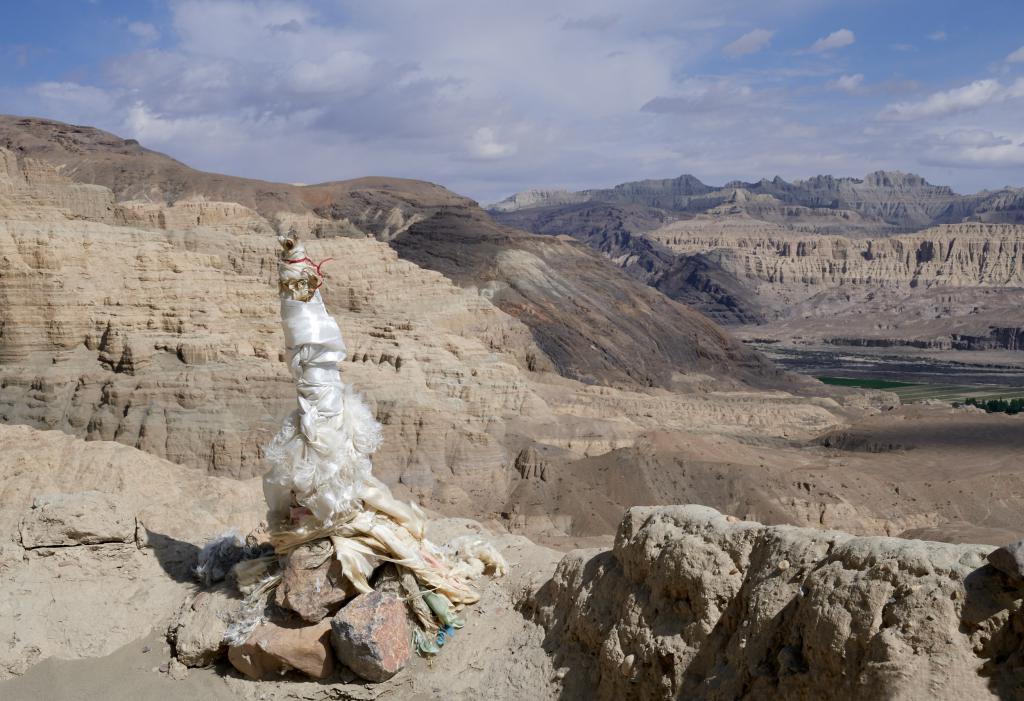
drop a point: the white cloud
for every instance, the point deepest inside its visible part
(696, 95)
(82, 99)
(974, 148)
(836, 40)
(937, 36)
(847, 83)
(970, 97)
(492, 97)
(144, 31)
(750, 43)
(485, 144)
(1017, 56)
(975, 137)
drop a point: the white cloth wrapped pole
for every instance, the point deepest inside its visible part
(320, 459)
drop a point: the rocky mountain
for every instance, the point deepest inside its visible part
(603, 329)
(815, 261)
(157, 327)
(889, 202)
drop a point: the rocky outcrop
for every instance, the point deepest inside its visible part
(693, 604)
(82, 590)
(537, 198)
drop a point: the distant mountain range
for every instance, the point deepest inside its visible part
(881, 202)
(763, 253)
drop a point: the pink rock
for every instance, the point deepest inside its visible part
(312, 584)
(273, 649)
(372, 637)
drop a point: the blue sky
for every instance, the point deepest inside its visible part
(488, 98)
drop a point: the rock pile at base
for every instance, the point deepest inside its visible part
(311, 619)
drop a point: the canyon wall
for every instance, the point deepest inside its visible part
(951, 287)
(794, 268)
(157, 326)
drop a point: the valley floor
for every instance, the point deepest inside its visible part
(995, 373)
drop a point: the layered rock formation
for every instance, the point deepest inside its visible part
(158, 331)
(952, 286)
(692, 604)
(569, 309)
(795, 267)
(816, 253)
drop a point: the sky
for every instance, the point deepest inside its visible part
(489, 98)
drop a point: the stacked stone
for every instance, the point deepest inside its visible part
(311, 621)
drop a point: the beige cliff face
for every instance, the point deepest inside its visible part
(157, 327)
(793, 268)
(955, 286)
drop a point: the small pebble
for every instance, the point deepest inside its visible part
(627, 665)
(163, 668)
(146, 648)
(783, 565)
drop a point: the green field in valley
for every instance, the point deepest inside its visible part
(910, 392)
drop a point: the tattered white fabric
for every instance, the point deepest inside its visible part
(320, 461)
(321, 456)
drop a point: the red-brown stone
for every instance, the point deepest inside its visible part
(312, 584)
(272, 649)
(372, 637)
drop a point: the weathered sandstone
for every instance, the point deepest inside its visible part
(692, 604)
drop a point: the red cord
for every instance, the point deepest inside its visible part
(311, 262)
